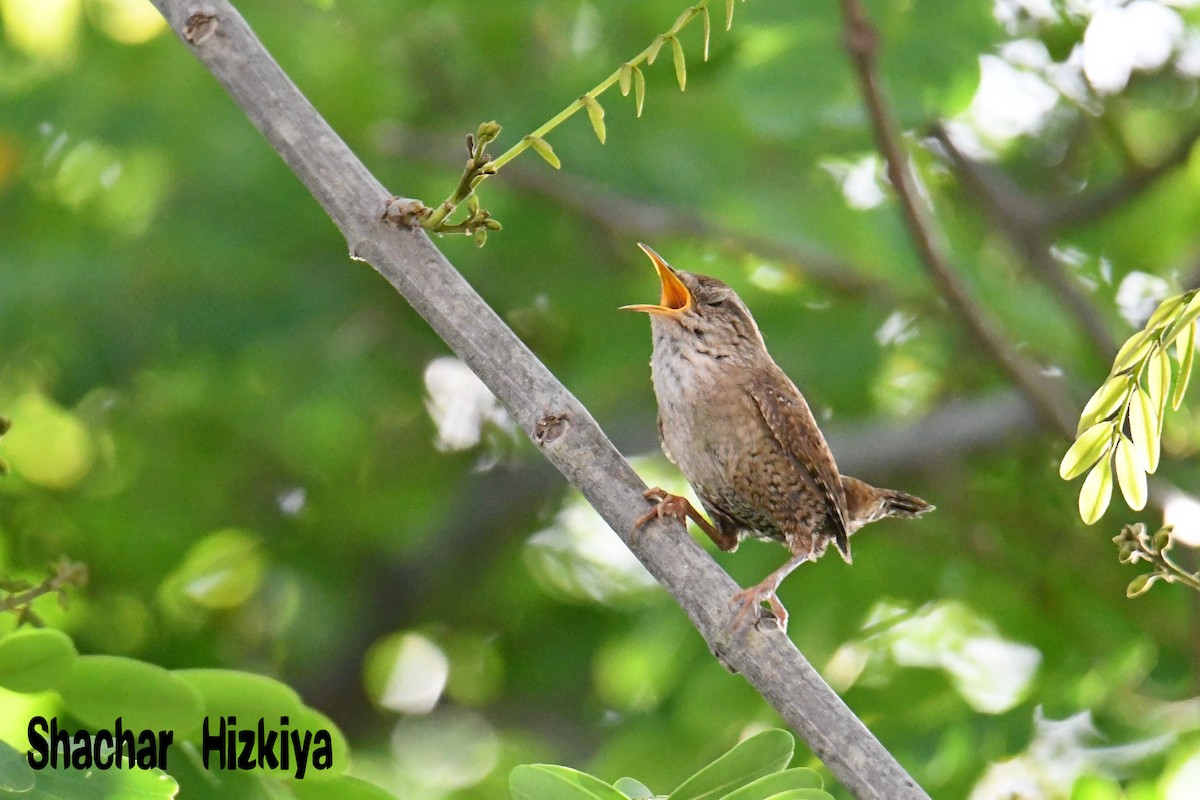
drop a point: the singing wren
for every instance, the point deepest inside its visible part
(744, 437)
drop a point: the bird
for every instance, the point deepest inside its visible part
(745, 438)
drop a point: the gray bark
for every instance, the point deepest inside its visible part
(556, 422)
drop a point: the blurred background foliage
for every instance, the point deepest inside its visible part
(269, 463)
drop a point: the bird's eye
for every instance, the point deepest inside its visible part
(715, 301)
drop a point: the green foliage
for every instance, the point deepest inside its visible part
(340, 788)
(21, 782)
(1134, 544)
(101, 688)
(5, 425)
(1120, 429)
(222, 570)
(755, 769)
(98, 690)
(551, 782)
(762, 754)
(481, 165)
(36, 659)
(189, 350)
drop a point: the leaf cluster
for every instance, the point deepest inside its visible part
(628, 76)
(1134, 544)
(754, 769)
(1120, 429)
(95, 690)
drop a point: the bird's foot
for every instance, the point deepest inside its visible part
(666, 505)
(750, 601)
(679, 507)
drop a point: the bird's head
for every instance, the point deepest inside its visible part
(700, 313)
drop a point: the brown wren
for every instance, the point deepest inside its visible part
(744, 437)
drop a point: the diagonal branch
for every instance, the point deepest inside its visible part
(556, 422)
(862, 43)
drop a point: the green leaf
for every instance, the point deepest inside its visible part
(625, 81)
(761, 754)
(342, 787)
(249, 696)
(102, 688)
(1161, 542)
(125, 783)
(728, 14)
(655, 46)
(1131, 473)
(223, 570)
(802, 794)
(707, 30)
(552, 782)
(1133, 350)
(771, 785)
(36, 659)
(1158, 379)
(1166, 308)
(1088, 448)
(245, 695)
(1105, 401)
(595, 114)
(1186, 317)
(307, 720)
(633, 789)
(680, 63)
(15, 773)
(639, 89)
(544, 150)
(1096, 492)
(1144, 428)
(1140, 584)
(1185, 351)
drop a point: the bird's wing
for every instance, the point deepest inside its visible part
(792, 424)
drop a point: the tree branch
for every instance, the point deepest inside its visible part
(1023, 220)
(556, 422)
(862, 43)
(1097, 203)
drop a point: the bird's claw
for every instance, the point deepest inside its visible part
(750, 600)
(666, 505)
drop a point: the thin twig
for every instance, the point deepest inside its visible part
(862, 43)
(19, 596)
(630, 217)
(1022, 218)
(1097, 203)
(557, 423)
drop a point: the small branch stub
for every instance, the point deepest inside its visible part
(550, 428)
(406, 212)
(200, 26)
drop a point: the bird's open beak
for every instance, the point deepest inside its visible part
(675, 296)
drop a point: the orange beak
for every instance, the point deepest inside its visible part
(675, 296)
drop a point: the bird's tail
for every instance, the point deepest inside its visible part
(866, 504)
(902, 504)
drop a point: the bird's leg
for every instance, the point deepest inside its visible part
(765, 591)
(680, 508)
